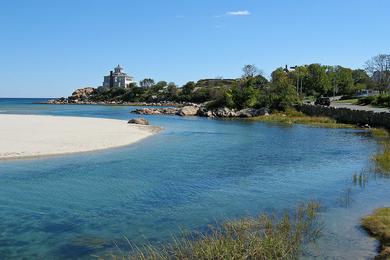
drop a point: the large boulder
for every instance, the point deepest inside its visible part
(188, 111)
(139, 121)
(82, 93)
(262, 111)
(204, 112)
(251, 112)
(224, 112)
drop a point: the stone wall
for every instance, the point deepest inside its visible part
(348, 116)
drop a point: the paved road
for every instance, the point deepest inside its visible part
(357, 107)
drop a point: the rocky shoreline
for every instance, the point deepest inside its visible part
(115, 103)
(202, 111)
(66, 101)
(84, 96)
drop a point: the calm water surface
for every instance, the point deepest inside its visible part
(196, 172)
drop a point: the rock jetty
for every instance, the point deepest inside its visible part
(202, 111)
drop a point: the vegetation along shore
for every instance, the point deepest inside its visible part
(253, 94)
(287, 97)
(264, 237)
(377, 224)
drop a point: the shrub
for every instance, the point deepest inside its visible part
(366, 100)
(382, 101)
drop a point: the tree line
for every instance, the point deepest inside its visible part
(286, 86)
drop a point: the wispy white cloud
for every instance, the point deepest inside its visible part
(234, 13)
(238, 13)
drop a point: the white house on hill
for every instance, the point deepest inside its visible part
(117, 79)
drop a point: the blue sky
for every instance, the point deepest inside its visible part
(49, 48)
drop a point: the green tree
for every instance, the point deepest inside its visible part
(298, 77)
(159, 86)
(282, 95)
(146, 83)
(279, 75)
(360, 76)
(188, 88)
(258, 81)
(361, 79)
(341, 80)
(318, 82)
(240, 96)
(172, 91)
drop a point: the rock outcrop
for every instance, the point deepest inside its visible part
(188, 111)
(79, 96)
(139, 121)
(82, 94)
(222, 112)
(156, 111)
(251, 112)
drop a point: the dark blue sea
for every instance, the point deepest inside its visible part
(195, 172)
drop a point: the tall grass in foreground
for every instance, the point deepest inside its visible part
(263, 237)
(382, 159)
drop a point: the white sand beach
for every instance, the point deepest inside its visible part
(23, 136)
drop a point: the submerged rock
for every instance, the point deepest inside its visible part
(139, 121)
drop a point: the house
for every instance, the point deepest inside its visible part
(117, 79)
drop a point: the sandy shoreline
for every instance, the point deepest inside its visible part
(27, 136)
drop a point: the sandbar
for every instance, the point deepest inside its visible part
(25, 136)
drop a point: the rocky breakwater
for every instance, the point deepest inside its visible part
(202, 111)
(81, 96)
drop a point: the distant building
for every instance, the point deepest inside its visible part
(117, 79)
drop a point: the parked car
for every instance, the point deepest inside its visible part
(322, 101)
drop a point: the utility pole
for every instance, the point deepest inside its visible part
(301, 86)
(334, 81)
(297, 71)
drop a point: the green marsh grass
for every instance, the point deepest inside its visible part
(378, 225)
(262, 237)
(382, 158)
(292, 116)
(352, 101)
(360, 178)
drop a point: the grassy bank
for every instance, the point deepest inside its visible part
(382, 158)
(263, 237)
(353, 101)
(295, 117)
(378, 225)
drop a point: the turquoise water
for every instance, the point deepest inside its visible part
(196, 172)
